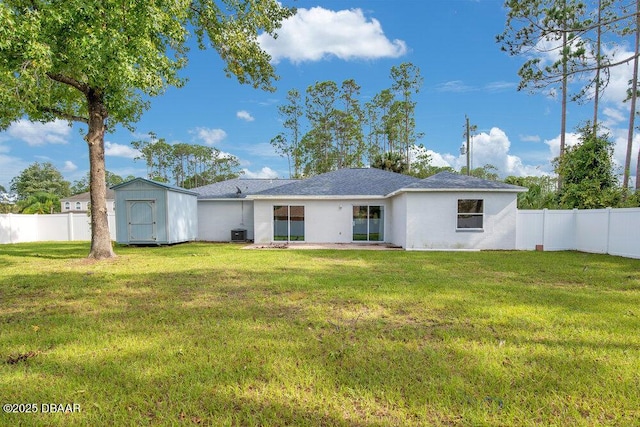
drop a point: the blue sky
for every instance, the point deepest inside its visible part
(452, 42)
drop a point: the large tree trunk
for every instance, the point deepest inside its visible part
(563, 119)
(596, 96)
(100, 238)
(632, 113)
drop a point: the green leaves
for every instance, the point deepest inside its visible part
(186, 165)
(127, 51)
(40, 178)
(589, 179)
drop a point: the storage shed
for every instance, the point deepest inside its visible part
(150, 212)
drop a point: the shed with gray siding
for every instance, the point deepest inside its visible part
(150, 212)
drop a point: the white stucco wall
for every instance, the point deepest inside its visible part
(398, 221)
(216, 219)
(326, 221)
(432, 219)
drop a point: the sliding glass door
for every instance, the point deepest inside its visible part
(368, 223)
(288, 223)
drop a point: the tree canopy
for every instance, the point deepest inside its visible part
(39, 203)
(331, 128)
(588, 172)
(186, 165)
(82, 185)
(40, 178)
(98, 62)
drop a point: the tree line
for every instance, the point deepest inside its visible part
(329, 127)
(38, 188)
(185, 165)
(576, 33)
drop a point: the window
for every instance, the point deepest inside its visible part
(78, 206)
(368, 223)
(67, 206)
(288, 223)
(470, 214)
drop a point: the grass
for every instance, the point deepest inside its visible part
(203, 334)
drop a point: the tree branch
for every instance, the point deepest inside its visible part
(61, 78)
(61, 114)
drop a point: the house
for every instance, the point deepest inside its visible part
(81, 202)
(444, 211)
(225, 213)
(151, 212)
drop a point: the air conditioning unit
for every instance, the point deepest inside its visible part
(238, 235)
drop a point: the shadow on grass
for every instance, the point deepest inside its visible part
(47, 250)
(320, 338)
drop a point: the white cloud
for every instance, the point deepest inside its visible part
(317, 33)
(245, 115)
(209, 136)
(456, 86)
(260, 149)
(571, 139)
(10, 167)
(492, 148)
(120, 150)
(69, 166)
(500, 86)
(529, 138)
(265, 173)
(437, 159)
(37, 134)
(613, 116)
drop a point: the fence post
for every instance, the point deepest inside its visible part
(10, 227)
(608, 230)
(544, 227)
(574, 246)
(70, 226)
(37, 227)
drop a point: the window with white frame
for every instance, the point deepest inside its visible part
(470, 214)
(67, 206)
(78, 206)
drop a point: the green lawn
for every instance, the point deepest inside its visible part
(203, 334)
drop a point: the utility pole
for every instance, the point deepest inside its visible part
(466, 149)
(468, 133)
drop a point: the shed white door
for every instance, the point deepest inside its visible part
(142, 220)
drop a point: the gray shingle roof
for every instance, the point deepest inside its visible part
(345, 182)
(452, 181)
(154, 183)
(229, 189)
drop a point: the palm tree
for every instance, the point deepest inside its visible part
(39, 203)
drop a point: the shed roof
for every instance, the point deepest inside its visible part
(238, 188)
(345, 182)
(156, 184)
(452, 181)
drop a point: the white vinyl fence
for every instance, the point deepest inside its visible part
(15, 228)
(607, 231)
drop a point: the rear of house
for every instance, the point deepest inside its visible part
(445, 211)
(450, 211)
(224, 211)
